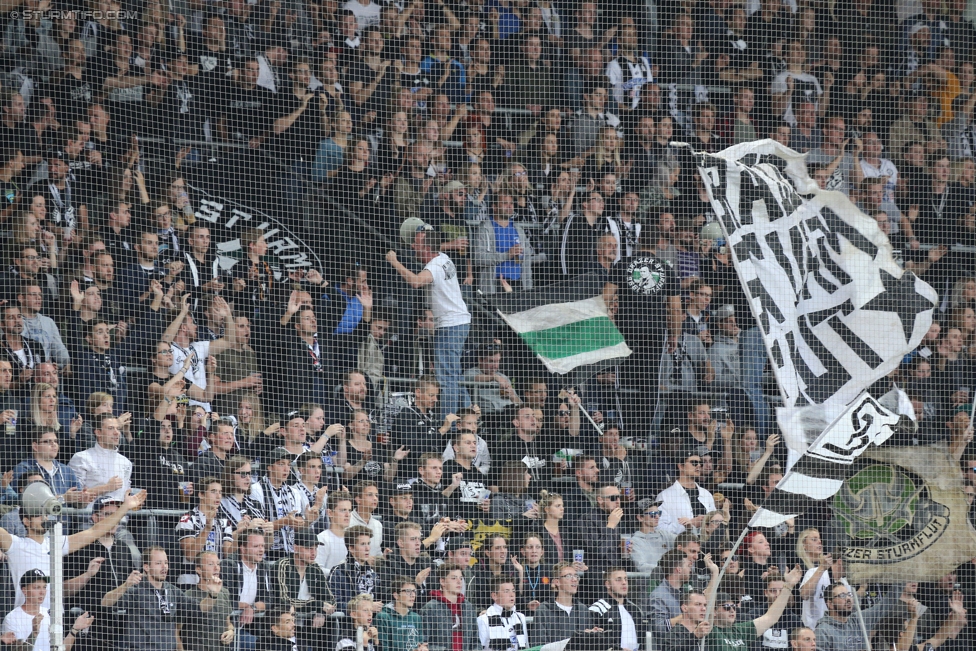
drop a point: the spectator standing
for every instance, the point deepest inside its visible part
(501, 626)
(451, 317)
(356, 575)
(211, 627)
(645, 291)
(153, 606)
(492, 398)
(677, 498)
(449, 620)
(650, 542)
(102, 470)
(565, 615)
(203, 530)
(278, 503)
(331, 550)
(621, 618)
(399, 625)
(248, 583)
(181, 335)
(299, 583)
(727, 634)
(30, 622)
(501, 253)
(409, 560)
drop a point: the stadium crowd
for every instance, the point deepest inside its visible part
(358, 455)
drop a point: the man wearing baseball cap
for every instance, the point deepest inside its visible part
(452, 321)
(727, 635)
(33, 551)
(93, 571)
(299, 570)
(18, 625)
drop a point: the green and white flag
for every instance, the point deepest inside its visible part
(553, 646)
(565, 325)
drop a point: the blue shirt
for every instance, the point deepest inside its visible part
(505, 238)
(351, 317)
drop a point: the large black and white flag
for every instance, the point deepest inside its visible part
(836, 311)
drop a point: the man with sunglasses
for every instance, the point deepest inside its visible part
(565, 615)
(599, 533)
(727, 635)
(649, 543)
(685, 501)
(839, 630)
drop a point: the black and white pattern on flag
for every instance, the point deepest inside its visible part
(822, 468)
(820, 275)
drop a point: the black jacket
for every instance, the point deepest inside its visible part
(232, 573)
(552, 624)
(287, 583)
(605, 614)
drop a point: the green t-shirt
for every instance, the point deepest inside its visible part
(738, 637)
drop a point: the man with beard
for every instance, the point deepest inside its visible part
(34, 550)
(777, 637)
(840, 629)
(416, 426)
(152, 605)
(355, 390)
(137, 276)
(99, 567)
(727, 634)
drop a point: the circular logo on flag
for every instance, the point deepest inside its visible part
(888, 513)
(645, 276)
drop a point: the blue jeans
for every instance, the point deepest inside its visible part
(448, 347)
(753, 360)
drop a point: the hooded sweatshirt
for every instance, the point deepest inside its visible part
(399, 632)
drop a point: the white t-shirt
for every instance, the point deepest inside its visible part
(806, 87)
(446, 301)
(21, 624)
(197, 374)
(885, 168)
(332, 552)
(815, 607)
(25, 554)
(368, 16)
(628, 631)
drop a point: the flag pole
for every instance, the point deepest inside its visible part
(710, 609)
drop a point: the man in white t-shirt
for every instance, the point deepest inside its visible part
(101, 469)
(34, 550)
(332, 550)
(874, 166)
(31, 621)
(795, 84)
(181, 335)
(452, 321)
(367, 13)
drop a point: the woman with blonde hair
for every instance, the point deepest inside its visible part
(551, 511)
(810, 550)
(606, 157)
(44, 416)
(963, 293)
